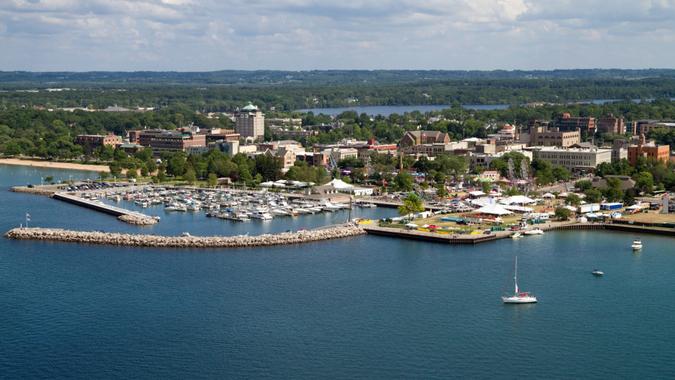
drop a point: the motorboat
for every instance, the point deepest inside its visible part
(534, 231)
(597, 273)
(637, 245)
(516, 235)
(518, 297)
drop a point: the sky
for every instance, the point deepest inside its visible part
(205, 35)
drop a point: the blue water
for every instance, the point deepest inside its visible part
(388, 110)
(366, 307)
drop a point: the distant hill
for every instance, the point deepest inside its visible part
(318, 77)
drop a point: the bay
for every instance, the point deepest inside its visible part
(365, 307)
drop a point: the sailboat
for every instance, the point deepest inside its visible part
(518, 296)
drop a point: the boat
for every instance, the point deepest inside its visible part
(597, 273)
(366, 205)
(637, 245)
(516, 235)
(535, 231)
(518, 297)
(261, 215)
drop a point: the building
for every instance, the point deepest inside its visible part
(619, 150)
(578, 159)
(642, 127)
(412, 138)
(230, 148)
(219, 134)
(649, 150)
(611, 124)
(161, 140)
(542, 136)
(567, 122)
(91, 142)
(250, 123)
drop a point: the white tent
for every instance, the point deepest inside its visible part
(548, 196)
(339, 184)
(519, 209)
(480, 202)
(476, 193)
(518, 200)
(493, 209)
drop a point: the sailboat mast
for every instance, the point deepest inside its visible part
(515, 275)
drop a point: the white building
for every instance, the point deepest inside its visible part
(573, 158)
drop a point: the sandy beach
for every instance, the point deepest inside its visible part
(54, 165)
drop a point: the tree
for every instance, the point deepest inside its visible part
(573, 199)
(441, 191)
(212, 180)
(560, 173)
(562, 213)
(411, 204)
(403, 182)
(613, 192)
(190, 176)
(644, 182)
(583, 185)
(593, 195)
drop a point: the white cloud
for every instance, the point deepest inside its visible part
(308, 34)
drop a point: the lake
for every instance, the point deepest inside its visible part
(363, 307)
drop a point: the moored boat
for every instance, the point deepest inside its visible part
(518, 296)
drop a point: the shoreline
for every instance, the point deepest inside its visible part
(54, 165)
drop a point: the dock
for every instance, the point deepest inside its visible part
(124, 215)
(433, 236)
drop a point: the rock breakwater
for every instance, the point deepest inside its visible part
(138, 240)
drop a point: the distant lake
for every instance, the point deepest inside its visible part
(388, 110)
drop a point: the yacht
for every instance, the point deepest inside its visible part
(637, 245)
(518, 297)
(535, 231)
(261, 215)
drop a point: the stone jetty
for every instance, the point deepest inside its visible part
(138, 220)
(137, 240)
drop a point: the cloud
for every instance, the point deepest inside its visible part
(316, 34)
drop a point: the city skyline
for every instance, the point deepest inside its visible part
(206, 35)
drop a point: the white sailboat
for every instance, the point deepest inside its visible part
(518, 297)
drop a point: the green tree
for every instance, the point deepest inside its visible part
(573, 199)
(562, 213)
(403, 182)
(644, 181)
(593, 195)
(441, 191)
(412, 204)
(583, 185)
(190, 176)
(212, 180)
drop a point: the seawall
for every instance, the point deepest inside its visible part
(138, 240)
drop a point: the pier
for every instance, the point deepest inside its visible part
(434, 236)
(138, 240)
(124, 215)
